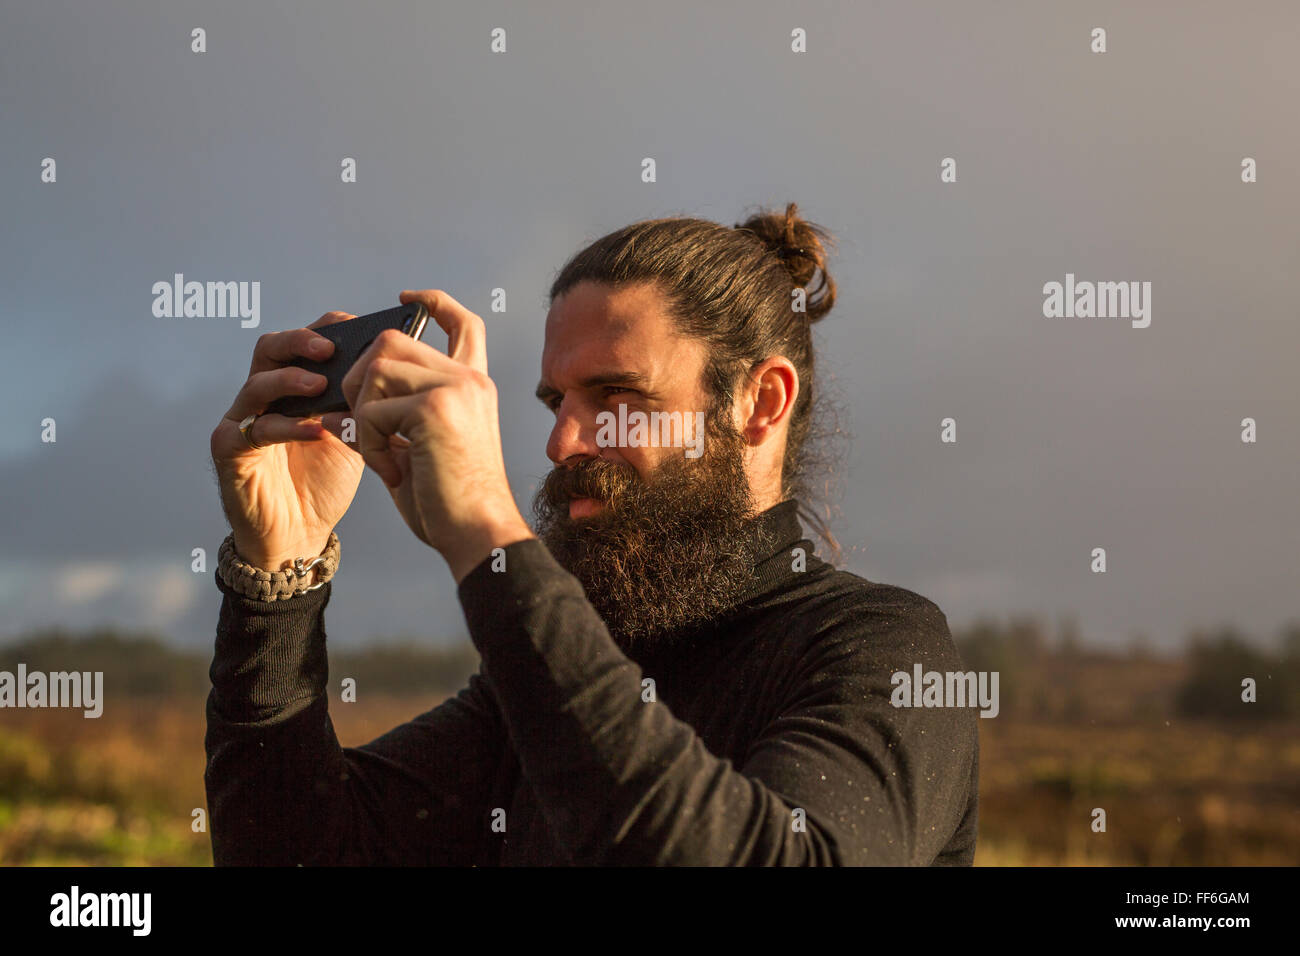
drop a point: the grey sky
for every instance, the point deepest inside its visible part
(481, 170)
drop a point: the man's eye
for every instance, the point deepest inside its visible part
(615, 390)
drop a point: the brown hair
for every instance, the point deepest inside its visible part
(734, 288)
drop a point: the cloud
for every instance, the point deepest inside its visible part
(165, 595)
(83, 582)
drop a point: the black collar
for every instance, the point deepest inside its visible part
(781, 523)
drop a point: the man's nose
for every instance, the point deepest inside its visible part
(574, 435)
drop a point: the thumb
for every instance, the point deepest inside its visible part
(342, 425)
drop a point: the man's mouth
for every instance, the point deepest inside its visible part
(584, 507)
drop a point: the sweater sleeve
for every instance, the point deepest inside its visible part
(839, 776)
(282, 791)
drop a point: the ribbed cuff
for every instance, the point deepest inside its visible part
(269, 655)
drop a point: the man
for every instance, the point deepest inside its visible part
(668, 674)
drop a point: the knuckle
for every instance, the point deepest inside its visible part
(376, 376)
(475, 385)
(220, 440)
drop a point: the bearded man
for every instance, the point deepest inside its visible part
(668, 674)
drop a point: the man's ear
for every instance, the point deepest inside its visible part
(768, 398)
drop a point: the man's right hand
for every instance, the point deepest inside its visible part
(284, 499)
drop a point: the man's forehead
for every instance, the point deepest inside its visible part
(607, 354)
(627, 328)
(591, 310)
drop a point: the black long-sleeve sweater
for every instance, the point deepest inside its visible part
(556, 754)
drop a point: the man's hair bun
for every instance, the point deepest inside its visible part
(801, 247)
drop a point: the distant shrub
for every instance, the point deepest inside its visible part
(407, 668)
(144, 666)
(1015, 651)
(1218, 664)
(133, 665)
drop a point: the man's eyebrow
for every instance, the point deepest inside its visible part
(545, 391)
(614, 378)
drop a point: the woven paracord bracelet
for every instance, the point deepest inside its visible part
(262, 585)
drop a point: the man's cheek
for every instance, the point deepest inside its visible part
(644, 461)
(634, 459)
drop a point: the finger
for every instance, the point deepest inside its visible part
(392, 346)
(267, 430)
(386, 377)
(377, 423)
(466, 333)
(329, 318)
(342, 425)
(273, 349)
(262, 388)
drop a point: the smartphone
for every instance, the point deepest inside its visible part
(350, 338)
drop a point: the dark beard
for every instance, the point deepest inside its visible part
(663, 554)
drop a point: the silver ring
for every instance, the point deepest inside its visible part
(246, 429)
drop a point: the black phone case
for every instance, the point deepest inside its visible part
(350, 338)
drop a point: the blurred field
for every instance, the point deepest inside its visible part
(121, 790)
(1184, 779)
(1177, 795)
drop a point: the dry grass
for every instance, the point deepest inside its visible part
(1175, 794)
(121, 791)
